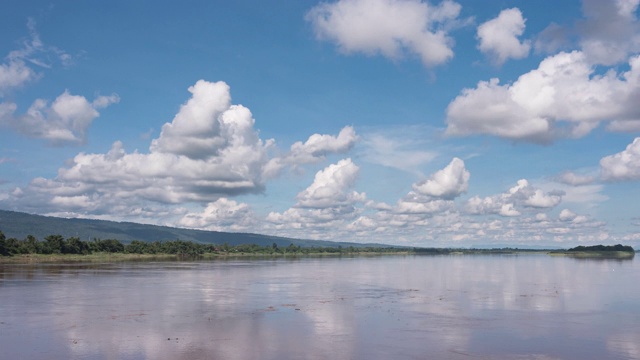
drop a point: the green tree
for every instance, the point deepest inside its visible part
(74, 245)
(54, 244)
(3, 245)
(29, 245)
(137, 247)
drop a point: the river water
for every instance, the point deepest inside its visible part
(386, 307)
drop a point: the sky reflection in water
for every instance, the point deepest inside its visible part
(522, 307)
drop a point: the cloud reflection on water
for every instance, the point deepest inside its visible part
(524, 307)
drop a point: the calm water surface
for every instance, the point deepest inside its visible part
(391, 307)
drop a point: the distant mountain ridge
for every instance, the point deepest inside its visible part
(18, 225)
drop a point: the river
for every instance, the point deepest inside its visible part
(381, 307)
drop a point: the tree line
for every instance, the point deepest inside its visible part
(605, 248)
(57, 244)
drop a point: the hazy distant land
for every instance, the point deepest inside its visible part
(26, 237)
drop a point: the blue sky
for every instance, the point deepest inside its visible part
(494, 123)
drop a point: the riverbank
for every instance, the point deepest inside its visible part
(105, 257)
(121, 257)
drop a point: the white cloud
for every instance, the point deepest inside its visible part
(221, 215)
(508, 210)
(624, 165)
(563, 97)
(499, 36)
(328, 201)
(610, 32)
(16, 72)
(540, 199)
(429, 198)
(225, 158)
(320, 145)
(65, 121)
(566, 215)
(416, 204)
(198, 130)
(513, 202)
(315, 149)
(329, 187)
(447, 183)
(389, 27)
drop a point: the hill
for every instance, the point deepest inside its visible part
(18, 225)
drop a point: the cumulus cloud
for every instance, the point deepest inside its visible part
(431, 197)
(210, 150)
(499, 37)
(447, 183)
(329, 187)
(610, 31)
(327, 201)
(197, 129)
(388, 27)
(65, 121)
(221, 215)
(320, 145)
(563, 97)
(513, 202)
(13, 74)
(623, 166)
(315, 149)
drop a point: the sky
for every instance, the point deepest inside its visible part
(404, 122)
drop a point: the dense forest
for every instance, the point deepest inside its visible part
(57, 244)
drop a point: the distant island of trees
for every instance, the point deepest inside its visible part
(605, 248)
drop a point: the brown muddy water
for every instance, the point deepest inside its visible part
(388, 307)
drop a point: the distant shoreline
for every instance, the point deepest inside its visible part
(126, 257)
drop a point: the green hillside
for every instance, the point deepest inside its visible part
(18, 225)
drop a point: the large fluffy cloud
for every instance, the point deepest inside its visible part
(499, 37)
(209, 150)
(205, 124)
(563, 97)
(330, 187)
(328, 201)
(447, 183)
(624, 165)
(388, 27)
